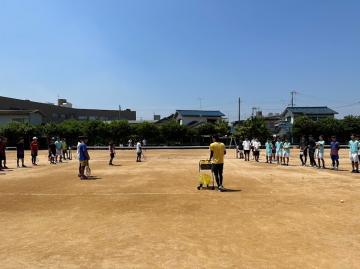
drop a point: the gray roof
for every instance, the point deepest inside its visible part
(316, 110)
(200, 113)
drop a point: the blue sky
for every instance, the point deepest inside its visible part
(155, 56)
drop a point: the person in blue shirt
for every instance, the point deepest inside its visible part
(84, 156)
(334, 152)
(354, 153)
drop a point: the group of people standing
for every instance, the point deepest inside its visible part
(277, 150)
(58, 151)
(20, 152)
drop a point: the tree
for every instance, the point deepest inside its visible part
(148, 131)
(304, 126)
(173, 133)
(253, 128)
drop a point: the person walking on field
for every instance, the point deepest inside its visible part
(34, 147)
(138, 151)
(217, 155)
(112, 152)
(247, 146)
(84, 157)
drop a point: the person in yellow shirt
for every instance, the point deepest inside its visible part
(217, 153)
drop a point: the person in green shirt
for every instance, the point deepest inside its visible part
(286, 152)
(354, 153)
(269, 148)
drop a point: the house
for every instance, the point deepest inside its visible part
(64, 111)
(314, 113)
(24, 116)
(197, 117)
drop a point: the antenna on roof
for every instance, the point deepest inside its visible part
(200, 101)
(293, 93)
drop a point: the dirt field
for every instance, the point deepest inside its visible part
(150, 215)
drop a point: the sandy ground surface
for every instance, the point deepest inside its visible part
(150, 215)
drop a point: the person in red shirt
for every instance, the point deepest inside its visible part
(34, 147)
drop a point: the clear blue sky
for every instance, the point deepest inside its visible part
(155, 56)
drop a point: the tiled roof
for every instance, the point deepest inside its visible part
(200, 113)
(318, 110)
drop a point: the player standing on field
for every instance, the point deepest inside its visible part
(334, 152)
(354, 153)
(320, 149)
(217, 154)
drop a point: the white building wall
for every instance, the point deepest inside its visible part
(187, 120)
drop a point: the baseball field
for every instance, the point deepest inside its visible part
(150, 214)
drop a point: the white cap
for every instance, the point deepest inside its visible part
(34, 138)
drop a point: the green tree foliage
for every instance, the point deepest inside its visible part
(327, 127)
(170, 133)
(173, 133)
(253, 128)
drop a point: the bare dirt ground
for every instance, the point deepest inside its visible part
(150, 215)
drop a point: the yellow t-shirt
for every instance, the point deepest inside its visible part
(219, 152)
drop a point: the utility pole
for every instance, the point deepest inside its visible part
(239, 109)
(119, 112)
(200, 101)
(253, 113)
(293, 93)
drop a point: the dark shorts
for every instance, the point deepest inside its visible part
(247, 151)
(256, 153)
(334, 157)
(139, 154)
(34, 154)
(20, 156)
(112, 155)
(218, 168)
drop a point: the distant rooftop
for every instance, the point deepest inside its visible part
(200, 113)
(316, 110)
